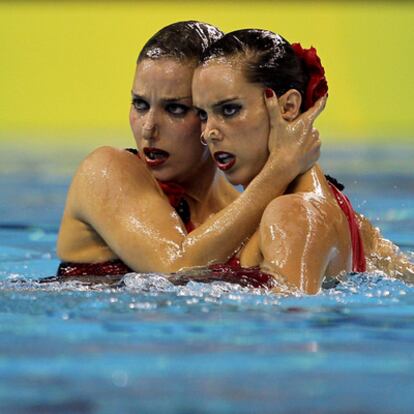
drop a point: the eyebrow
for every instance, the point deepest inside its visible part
(218, 104)
(224, 101)
(179, 98)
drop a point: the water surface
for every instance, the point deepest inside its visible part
(154, 347)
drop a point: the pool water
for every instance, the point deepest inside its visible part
(154, 347)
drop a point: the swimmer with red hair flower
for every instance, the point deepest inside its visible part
(311, 233)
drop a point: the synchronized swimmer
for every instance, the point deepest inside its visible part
(165, 207)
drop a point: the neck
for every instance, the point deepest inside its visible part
(312, 181)
(207, 193)
(198, 186)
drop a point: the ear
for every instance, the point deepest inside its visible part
(290, 103)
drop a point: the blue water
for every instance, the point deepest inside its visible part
(154, 347)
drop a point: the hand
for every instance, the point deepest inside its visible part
(295, 140)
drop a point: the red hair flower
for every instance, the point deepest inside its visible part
(317, 84)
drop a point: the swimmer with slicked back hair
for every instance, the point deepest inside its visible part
(311, 233)
(166, 207)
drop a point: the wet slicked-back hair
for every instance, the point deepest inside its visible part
(182, 41)
(267, 59)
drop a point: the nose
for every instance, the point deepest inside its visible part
(212, 133)
(150, 127)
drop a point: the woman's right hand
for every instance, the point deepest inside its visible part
(295, 140)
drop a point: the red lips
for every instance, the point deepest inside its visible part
(224, 160)
(155, 156)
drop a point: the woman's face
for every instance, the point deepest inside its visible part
(165, 126)
(235, 121)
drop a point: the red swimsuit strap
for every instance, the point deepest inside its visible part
(175, 194)
(358, 254)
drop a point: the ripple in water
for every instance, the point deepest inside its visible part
(356, 288)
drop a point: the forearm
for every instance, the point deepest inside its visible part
(221, 235)
(127, 210)
(388, 258)
(384, 255)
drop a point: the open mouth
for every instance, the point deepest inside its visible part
(224, 160)
(155, 156)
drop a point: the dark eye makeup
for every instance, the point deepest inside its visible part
(139, 104)
(229, 110)
(202, 115)
(226, 110)
(176, 109)
(173, 108)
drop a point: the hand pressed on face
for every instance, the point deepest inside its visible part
(297, 138)
(234, 120)
(254, 126)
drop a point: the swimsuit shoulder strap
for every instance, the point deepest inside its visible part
(175, 194)
(358, 254)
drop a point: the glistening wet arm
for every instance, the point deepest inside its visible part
(145, 232)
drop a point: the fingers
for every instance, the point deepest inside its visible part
(315, 134)
(273, 108)
(314, 150)
(312, 113)
(309, 150)
(316, 142)
(315, 137)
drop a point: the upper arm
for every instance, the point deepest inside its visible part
(383, 254)
(296, 241)
(117, 197)
(115, 194)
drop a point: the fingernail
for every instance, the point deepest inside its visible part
(269, 92)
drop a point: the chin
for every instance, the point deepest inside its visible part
(237, 180)
(178, 177)
(163, 175)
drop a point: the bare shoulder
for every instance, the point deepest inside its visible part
(104, 175)
(296, 208)
(297, 239)
(105, 162)
(299, 219)
(108, 163)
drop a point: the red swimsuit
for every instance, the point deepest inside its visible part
(358, 256)
(230, 271)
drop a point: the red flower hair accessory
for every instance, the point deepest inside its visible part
(317, 84)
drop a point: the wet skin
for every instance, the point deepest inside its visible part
(303, 236)
(115, 208)
(237, 111)
(162, 117)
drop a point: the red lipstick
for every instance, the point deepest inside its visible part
(224, 160)
(155, 157)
